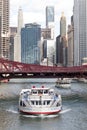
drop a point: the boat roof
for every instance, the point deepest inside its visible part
(39, 88)
(36, 88)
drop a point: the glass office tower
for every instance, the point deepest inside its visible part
(30, 41)
(49, 15)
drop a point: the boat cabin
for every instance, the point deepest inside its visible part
(37, 96)
(40, 91)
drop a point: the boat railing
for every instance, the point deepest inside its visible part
(42, 97)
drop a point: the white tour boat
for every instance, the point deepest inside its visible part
(63, 83)
(39, 101)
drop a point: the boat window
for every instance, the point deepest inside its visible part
(44, 103)
(45, 91)
(40, 103)
(20, 103)
(32, 102)
(24, 104)
(40, 91)
(36, 102)
(34, 92)
(48, 102)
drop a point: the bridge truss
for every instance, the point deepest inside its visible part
(11, 69)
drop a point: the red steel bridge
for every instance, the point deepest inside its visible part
(11, 69)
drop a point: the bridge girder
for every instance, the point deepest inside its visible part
(11, 69)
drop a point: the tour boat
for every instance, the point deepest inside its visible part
(40, 101)
(63, 83)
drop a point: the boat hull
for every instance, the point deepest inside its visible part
(40, 111)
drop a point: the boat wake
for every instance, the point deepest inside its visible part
(42, 116)
(65, 111)
(12, 111)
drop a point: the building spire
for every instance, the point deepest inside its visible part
(62, 14)
(62, 25)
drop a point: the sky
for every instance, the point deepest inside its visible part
(34, 11)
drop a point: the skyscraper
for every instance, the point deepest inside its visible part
(20, 20)
(49, 15)
(50, 19)
(59, 51)
(13, 32)
(61, 43)
(70, 34)
(17, 39)
(30, 40)
(80, 31)
(4, 29)
(62, 25)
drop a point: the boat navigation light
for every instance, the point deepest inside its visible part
(33, 87)
(42, 86)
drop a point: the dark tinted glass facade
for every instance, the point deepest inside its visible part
(49, 14)
(30, 40)
(45, 49)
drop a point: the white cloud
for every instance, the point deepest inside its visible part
(34, 10)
